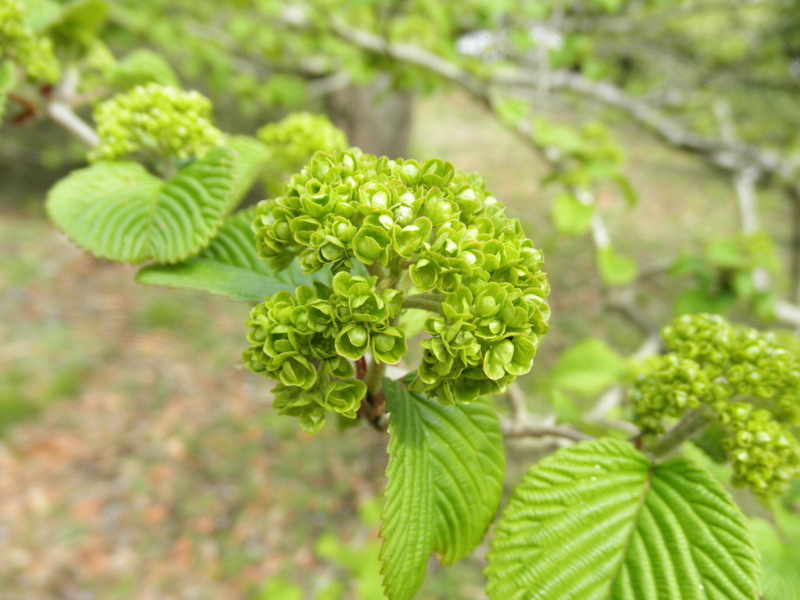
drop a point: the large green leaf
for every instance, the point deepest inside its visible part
(616, 269)
(78, 23)
(119, 211)
(588, 368)
(445, 479)
(140, 67)
(230, 266)
(40, 14)
(570, 216)
(599, 521)
(780, 554)
(251, 160)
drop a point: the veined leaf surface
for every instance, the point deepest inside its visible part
(599, 521)
(445, 480)
(119, 211)
(231, 267)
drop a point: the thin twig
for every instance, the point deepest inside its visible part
(520, 430)
(60, 110)
(692, 424)
(517, 404)
(61, 113)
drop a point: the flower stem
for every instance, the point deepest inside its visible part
(692, 424)
(429, 302)
(169, 167)
(374, 376)
(375, 270)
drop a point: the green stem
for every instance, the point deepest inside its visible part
(168, 167)
(429, 302)
(374, 376)
(387, 283)
(376, 371)
(375, 270)
(404, 263)
(692, 424)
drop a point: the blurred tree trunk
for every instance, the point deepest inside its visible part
(375, 118)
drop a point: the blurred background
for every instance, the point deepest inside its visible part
(650, 148)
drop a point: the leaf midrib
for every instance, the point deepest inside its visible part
(147, 248)
(634, 522)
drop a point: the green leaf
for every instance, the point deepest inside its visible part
(78, 23)
(513, 110)
(727, 253)
(588, 368)
(231, 267)
(697, 300)
(686, 265)
(40, 14)
(140, 67)
(764, 304)
(616, 269)
(563, 137)
(779, 555)
(743, 284)
(564, 407)
(279, 589)
(251, 161)
(610, 6)
(118, 211)
(445, 479)
(599, 521)
(570, 216)
(626, 187)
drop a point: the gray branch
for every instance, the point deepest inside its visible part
(521, 430)
(60, 112)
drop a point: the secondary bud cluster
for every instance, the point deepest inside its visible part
(307, 340)
(481, 342)
(746, 377)
(295, 139)
(433, 227)
(751, 363)
(19, 42)
(163, 121)
(763, 452)
(669, 387)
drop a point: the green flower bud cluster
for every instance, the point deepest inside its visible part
(20, 43)
(764, 454)
(481, 342)
(669, 387)
(436, 228)
(307, 340)
(749, 380)
(752, 363)
(295, 139)
(161, 120)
